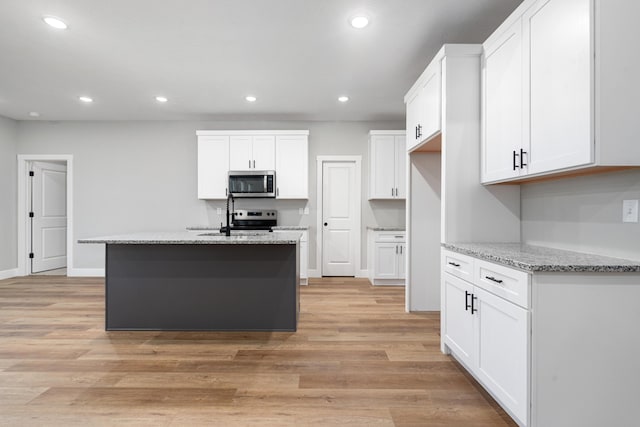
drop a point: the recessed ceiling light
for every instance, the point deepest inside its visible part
(85, 99)
(34, 114)
(251, 98)
(359, 21)
(55, 22)
(161, 98)
(343, 98)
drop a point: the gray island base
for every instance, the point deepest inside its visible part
(221, 284)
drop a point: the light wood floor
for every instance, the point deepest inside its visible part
(357, 359)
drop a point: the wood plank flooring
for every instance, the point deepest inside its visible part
(357, 359)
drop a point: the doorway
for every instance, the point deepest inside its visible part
(48, 216)
(44, 212)
(339, 211)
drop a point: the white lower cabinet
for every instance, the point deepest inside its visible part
(554, 348)
(502, 348)
(386, 257)
(488, 334)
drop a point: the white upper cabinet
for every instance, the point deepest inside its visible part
(213, 164)
(285, 151)
(502, 106)
(556, 35)
(424, 105)
(387, 165)
(559, 85)
(248, 152)
(292, 167)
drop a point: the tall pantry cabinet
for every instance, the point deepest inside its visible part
(445, 200)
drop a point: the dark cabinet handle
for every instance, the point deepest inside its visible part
(493, 279)
(454, 264)
(473, 309)
(254, 164)
(466, 300)
(522, 163)
(515, 165)
(325, 224)
(419, 131)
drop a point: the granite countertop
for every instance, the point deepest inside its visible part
(277, 227)
(290, 227)
(385, 228)
(187, 238)
(539, 258)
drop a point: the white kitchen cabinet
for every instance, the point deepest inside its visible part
(502, 96)
(222, 151)
(292, 167)
(424, 106)
(249, 152)
(213, 164)
(578, 86)
(457, 324)
(487, 334)
(533, 334)
(501, 331)
(386, 257)
(387, 165)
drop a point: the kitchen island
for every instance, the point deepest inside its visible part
(208, 281)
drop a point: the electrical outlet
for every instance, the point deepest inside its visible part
(219, 211)
(300, 211)
(629, 211)
(306, 210)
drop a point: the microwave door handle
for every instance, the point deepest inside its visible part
(265, 182)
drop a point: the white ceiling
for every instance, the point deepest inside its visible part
(295, 56)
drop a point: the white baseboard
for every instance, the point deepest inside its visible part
(363, 273)
(85, 272)
(8, 274)
(313, 273)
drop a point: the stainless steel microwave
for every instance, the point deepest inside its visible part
(252, 183)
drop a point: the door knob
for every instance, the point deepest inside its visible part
(325, 224)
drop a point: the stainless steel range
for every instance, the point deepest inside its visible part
(254, 219)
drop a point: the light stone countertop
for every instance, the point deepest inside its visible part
(543, 259)
(187, 238)
(385, 228)
(277, 227)
(290, 227)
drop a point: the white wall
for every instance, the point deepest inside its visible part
(583, 214)
(141, 176)
(8, 194)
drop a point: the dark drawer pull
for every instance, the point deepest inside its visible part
(466, 300)
(493, 279)
(454, 264)
(473, 308)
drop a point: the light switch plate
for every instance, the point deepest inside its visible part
(306, 210)
(300, 211)
(219, 211)
(630, 211)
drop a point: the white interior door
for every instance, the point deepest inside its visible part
(49, 221)
(339, 218)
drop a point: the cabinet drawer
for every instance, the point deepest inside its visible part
(458, 264)
(508, 283)
(395, 237)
